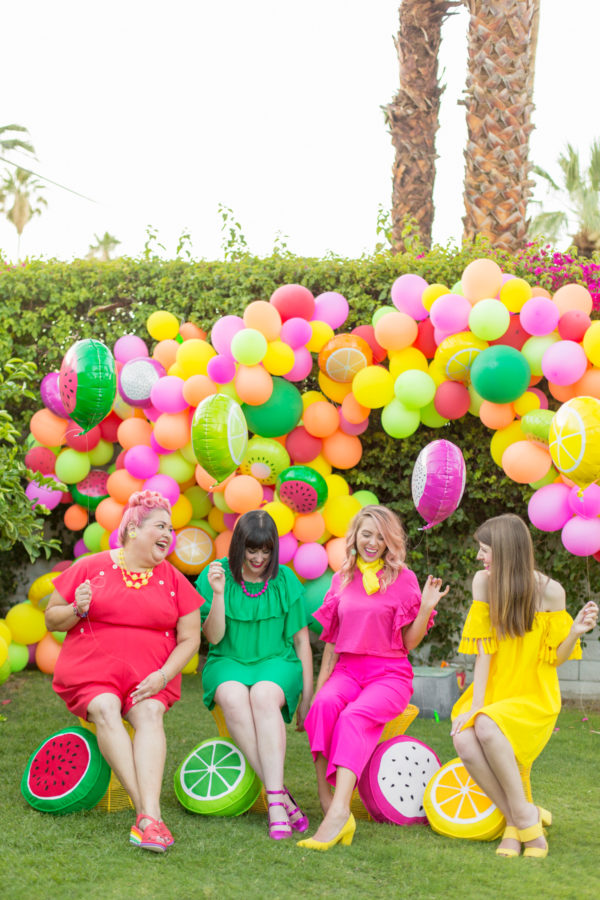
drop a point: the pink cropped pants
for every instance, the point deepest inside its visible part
(349, 712)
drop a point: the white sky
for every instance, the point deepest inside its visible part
(160, 111)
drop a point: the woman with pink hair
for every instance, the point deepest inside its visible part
(132, 624)
(373, 614)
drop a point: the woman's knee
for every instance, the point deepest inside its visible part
(105, 711)
(464, 743)
(266, 697)
(485, 729)
(149, 713)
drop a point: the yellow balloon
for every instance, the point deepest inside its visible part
(282, 515)
(279, 358)
(337, 486)
(181, 512)
(320, 465)
(591, 343)
(105, 540)
(503, 438)
(321, 333)
(574, 440)
(215, 518)
(3, 651)
(5, 632)
(41, 589)
(338, 513)
(373, 387)
(177, 371)
(430, 295)
(437, 371)
(162, 325)
(457, 354)
(309, 397)
(191, 668)
(26, 623)
(409, 358)
(334, 390)
(526, 403)
(193, 357)
(515, 293)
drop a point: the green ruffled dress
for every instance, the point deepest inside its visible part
(258, 642)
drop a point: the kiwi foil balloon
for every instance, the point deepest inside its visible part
(88, 382)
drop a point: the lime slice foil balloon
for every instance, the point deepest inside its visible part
(88, 382)
(219, 435)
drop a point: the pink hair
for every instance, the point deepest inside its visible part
(139, 507)
(390, 527)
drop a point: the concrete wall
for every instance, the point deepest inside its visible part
(580, 679)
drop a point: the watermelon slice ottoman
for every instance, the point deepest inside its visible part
(66, 773)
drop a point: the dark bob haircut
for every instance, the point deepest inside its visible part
(253, 531)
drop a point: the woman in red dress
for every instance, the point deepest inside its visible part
(132, 624)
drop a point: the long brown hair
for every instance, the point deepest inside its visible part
(512, 586)
(390, 527)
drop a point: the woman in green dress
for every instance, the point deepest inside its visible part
(259, 658)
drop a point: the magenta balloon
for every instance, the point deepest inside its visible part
(80, 548)
(162, 451)
(287, 547)
(350, 427)
(539, 316)
(296, 332)
(229, 520)
(332, 308)
(167, 394)
(221, 369)
(581, 537)
(450, 313)
(542, 397)
(310, 560)
(303, 363)
(45, 496)
(165, 485)
(585, 503)
(564, 362)
(406, 296)
(129, 347)
(438, 481)
(268, 493)
(50, 393)
(549, 508)
(113, 539)
(142, 461)
(223, 332)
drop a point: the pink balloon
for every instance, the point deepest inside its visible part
(581, 537)
(406, 296)
(268, 493)
(292, 300)
(549, 508)
(113, 539)
(539, 316)
(303, 363)
(332, 308)
(310, 560)
(351, 428)
(162, 451)
(167, 394)
(80, 548)
(450, 313)
(165, 485)
(542, 397)
(221, 369)
(438, 481)
(287, 547)
(296, 332)
(50, 391)
(223, 332)
(129, 347)
(45, 496)
(141, 461)
(564, 362)
(585, 503)
(229, 520)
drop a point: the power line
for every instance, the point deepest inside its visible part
(49, 180)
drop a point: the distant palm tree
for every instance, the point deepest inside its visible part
(21, 199)
(10, 142)
(580, 196)
(104, 246)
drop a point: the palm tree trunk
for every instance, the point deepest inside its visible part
(501, 62)
(413, 115)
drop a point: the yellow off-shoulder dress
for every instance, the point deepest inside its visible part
(522, 695)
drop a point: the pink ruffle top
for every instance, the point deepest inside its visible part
(356, 622)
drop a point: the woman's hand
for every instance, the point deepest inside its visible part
(151, 685)
(459, 721)
(586, 619)
(216, 577)
(83, 597)
(302, 712)
(432, 592)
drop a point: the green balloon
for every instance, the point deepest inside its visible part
(534, 348)
(92, 536)
(500, 374)
(489, 319)
(279, 414)
(431, 417)
(201, 505)
(72, 466)
(414, 388)
(314, 592)
(382, 311)
(176, 466)
(366, 498)
(398, 421)
(18, 656)
(88, 382)
(219, 435)
(536, 424)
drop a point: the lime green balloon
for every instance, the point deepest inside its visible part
(102, 453)
(536, 424)
(398, 420)
(382, 311)
(18, 656)
(476, 400)
(457, 288)
(431, 417)
(5, 671)
(205, 526)
(72, 466)
(219, 501)
(534, 348)
(201, 502)
(175, 466)
(550, 478)
(489, 319)
(366, 498)
(414, 388)
(92, 536)
(188, 453)
(59, 636)
(248, 346)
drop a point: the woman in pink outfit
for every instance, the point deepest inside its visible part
(373, 615)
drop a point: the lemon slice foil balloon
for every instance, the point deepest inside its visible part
(219, 435)
(574, 440)
(88, 382)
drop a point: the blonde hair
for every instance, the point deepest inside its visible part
(512, 588)
(390, 528)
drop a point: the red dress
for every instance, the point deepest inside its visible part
(128, 633)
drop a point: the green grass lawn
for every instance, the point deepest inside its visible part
(87, 855)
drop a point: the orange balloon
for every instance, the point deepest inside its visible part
(46, 654)
(75, 517)
(336, 552)
(589, 384)
(243, 493)
(172, 430)
(196, 388)
(496, 415)
(353, 411)
(109, 514)
(573, 296)
(396, 330)
(537, 291)
(264, 317)
(188, 331)
(166, 352)
(254, 385)
(309, 528)
(47, 428)
(321, 419)
(222, 542)
(481, 279)
(134, 431)
(207, 482)
(341, 450)
(526, 461)
(563, 392)
(121, 485)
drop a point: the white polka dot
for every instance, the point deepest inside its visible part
(115, 566)
(172, 593)
(161, 582)
(81, 630)
(166, 634)
(101, 573)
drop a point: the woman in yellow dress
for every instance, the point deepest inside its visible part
(520, 631)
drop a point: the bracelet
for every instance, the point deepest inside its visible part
(80, 615)
(164, 678)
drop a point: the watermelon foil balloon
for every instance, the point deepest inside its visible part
(219, 435)
(438, 481)
(88, 382)
(302, 489)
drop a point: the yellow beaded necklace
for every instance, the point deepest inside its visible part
(133, 579)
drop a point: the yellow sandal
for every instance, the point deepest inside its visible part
(510, 833)
(530, 834)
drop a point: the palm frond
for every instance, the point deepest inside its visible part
(537, 170)
(594, 168)
(548, 224)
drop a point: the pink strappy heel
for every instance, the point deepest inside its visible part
(300, 824)
(278, 831)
